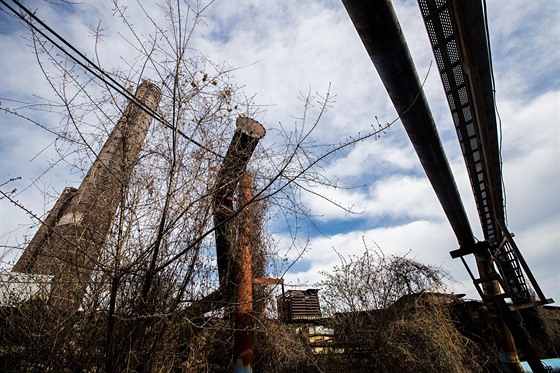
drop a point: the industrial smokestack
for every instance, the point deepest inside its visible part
(77, 228)
(243, 144)
(234, 261)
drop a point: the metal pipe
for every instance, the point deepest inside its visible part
(378, 27)
(245, 139)
(243, 316)
(237, 273)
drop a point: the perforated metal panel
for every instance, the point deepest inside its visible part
(438, 23)
(471, 102)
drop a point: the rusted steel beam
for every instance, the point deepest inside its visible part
(243, 144)
(72, 247)
(243, 314)
(268, 281)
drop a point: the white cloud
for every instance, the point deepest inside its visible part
(525, 47)
(422, 240)
(373, 158)
(292, 47)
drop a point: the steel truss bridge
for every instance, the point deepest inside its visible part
(459, 38)
(458, 35)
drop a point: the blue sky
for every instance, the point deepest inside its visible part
(284, 49)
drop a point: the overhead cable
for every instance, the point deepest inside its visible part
(101, 74)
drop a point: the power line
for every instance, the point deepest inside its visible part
(102, 75)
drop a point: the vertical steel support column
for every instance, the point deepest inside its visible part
(243, 335)
(72, 248)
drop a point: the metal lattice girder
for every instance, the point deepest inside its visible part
(457, 31)
(464, 65)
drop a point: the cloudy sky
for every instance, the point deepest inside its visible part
(288, 48)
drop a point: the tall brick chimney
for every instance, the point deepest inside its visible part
(68, 244)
